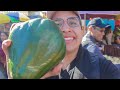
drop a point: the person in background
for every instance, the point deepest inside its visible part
(94, 35)
(107, 41)
(3, 75)
(117, 41)
(3, 36)
(116, 44)
(78, 62)
(112, 45)
(107, 38)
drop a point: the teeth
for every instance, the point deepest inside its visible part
(68, 38)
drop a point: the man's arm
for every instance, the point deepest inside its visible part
(108, 70)
(94, 49)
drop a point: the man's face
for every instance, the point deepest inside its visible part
(68, 23)
(98, 33)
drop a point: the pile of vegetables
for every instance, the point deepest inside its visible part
(115, 60)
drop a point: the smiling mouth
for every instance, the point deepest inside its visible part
(69, 39)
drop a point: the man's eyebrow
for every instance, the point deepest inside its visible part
(57, 19)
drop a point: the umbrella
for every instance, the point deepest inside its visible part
(13, 20)
(18, 16)
(12, 17)
(4, 18)
(34, 16)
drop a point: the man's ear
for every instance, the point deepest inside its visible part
(90, 28)
(83, 28)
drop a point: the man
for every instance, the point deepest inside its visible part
(77, 61)
(95, 33)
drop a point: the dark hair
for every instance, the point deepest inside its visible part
(115, 38)
(107, 31)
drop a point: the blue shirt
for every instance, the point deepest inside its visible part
(90, 44)
(85, 66)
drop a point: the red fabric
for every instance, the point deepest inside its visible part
(117, 22)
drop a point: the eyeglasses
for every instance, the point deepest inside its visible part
(72, 22)
(99, 29)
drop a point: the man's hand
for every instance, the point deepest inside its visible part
(5, 45)
(56, 71)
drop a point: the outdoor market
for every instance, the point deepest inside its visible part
(59, 44)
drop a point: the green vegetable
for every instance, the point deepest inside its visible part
(37, 46)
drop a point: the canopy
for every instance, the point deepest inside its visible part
(108, 16)
(102, 14)
(12, 17)
(4, 18)
(18, 16)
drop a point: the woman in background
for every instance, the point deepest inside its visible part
(107, 38)
(3, 72)
(117, 41)
(3, 36)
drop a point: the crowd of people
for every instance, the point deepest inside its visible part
(84, 51)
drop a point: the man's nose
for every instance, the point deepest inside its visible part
(103, 33)
(66, 28)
